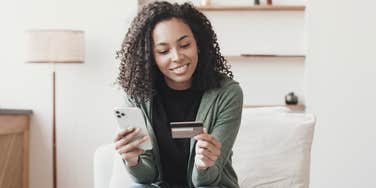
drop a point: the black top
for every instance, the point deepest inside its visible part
(170, 106)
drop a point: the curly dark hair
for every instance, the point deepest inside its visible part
(138, 71)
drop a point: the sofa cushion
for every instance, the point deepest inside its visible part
(273, 148)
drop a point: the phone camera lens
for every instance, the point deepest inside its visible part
(117, 112)
(122, 114)
(119, 116)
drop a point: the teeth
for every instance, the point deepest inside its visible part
(180, 69)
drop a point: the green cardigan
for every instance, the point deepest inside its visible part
(220, 111)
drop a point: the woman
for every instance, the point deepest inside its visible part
(172, 69)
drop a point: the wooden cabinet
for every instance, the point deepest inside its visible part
(14, 148)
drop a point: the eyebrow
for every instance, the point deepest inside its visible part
(164, 43)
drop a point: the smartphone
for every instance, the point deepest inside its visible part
(186, 129)
(132, 117)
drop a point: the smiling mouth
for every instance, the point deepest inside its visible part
(179, 70)
(179, 67)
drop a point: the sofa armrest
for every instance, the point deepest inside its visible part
(103, 164)
(109, 169)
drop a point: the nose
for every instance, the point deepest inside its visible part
(175, 55)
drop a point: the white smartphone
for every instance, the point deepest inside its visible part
(132, 117)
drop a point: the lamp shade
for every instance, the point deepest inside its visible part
(55, 46)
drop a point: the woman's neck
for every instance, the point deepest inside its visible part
(178, 85)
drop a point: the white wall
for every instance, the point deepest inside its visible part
(85, 94)
(340, 90)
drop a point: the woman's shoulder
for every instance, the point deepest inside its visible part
(229, 90)
(229, 85)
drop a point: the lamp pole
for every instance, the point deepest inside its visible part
(55, 46)
(54, 127)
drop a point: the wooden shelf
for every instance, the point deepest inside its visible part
(253, 8)
(298, 107)
(244, 56)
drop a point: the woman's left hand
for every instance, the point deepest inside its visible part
(208, 150)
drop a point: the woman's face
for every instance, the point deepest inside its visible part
(175, 52)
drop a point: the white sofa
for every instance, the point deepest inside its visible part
(272, 150)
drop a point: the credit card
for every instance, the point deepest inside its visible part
(186, 129)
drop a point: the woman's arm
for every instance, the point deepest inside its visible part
(145, 170)
(225, 131)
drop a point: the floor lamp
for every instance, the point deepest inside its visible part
(55, 46)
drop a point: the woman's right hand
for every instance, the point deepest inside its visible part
(129, 150)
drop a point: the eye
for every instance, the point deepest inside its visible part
(185, 45)
(162, 52)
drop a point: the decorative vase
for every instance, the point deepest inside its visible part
(291, 98)
(257, 2)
